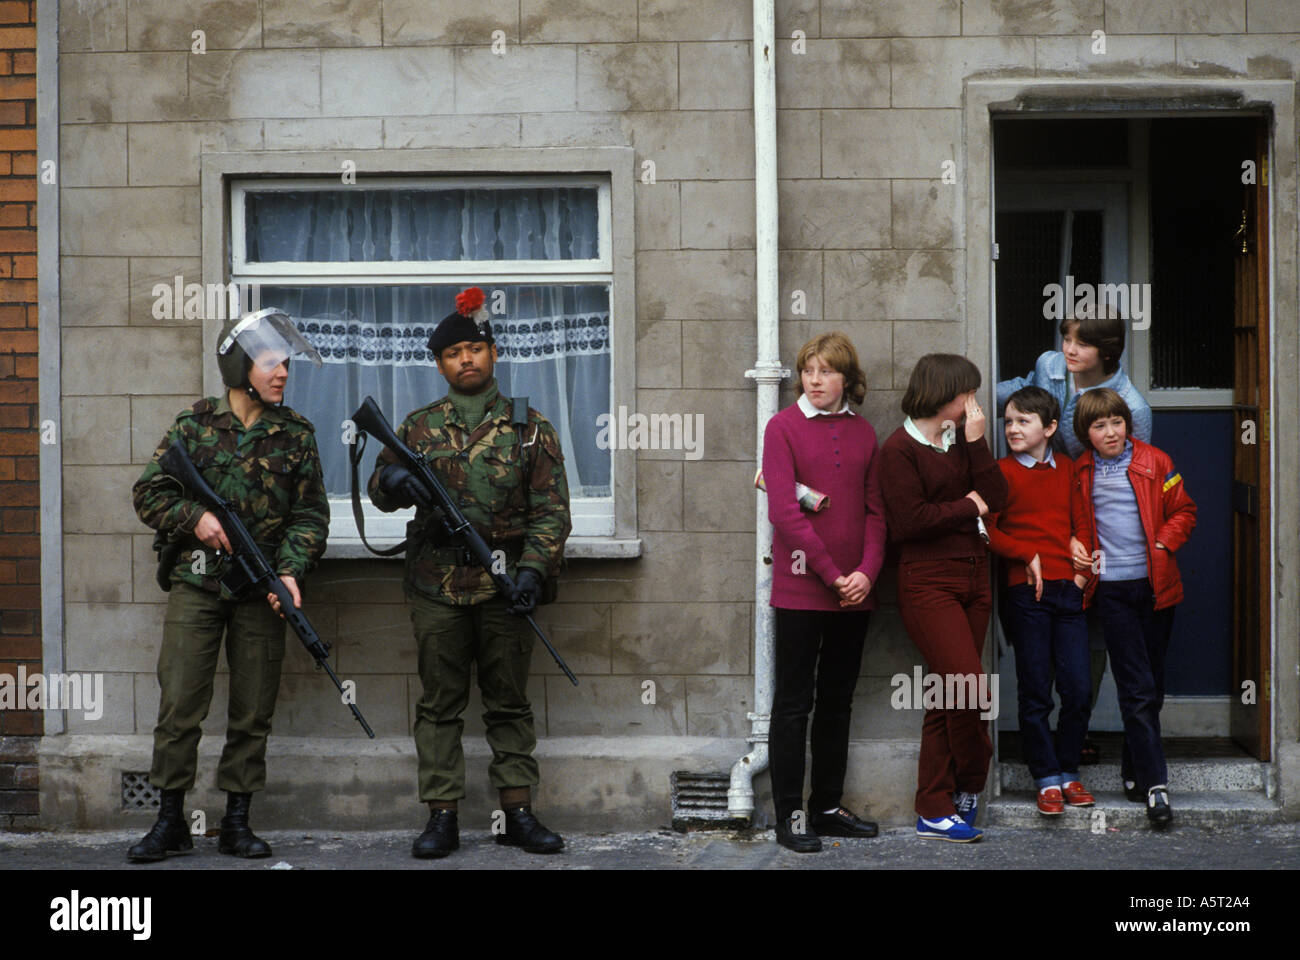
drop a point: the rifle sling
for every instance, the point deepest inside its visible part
(354, 457)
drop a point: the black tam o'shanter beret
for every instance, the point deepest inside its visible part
(469, 322)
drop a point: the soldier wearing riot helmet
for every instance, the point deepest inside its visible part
(261, 456)
(508, 478)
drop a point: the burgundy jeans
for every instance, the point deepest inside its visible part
(945, 606)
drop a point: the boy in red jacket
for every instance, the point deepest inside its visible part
(1041, 607)
(1141, 514)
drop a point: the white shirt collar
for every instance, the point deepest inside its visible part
(1025, 460)
(810, 411)
(948, 438)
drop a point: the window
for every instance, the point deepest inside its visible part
(369, 270)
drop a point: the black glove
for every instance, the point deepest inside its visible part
(527, 588)
(401, 486)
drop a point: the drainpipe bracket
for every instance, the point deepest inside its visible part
(768, 372)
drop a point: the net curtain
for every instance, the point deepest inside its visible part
(552, 339)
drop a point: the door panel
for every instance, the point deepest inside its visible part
(1199, 663)
(1251, 554)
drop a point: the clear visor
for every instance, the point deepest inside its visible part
(269, 338)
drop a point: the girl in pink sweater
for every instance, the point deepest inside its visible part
(825, 566)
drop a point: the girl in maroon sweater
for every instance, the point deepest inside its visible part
(825, 566)
(939, 479)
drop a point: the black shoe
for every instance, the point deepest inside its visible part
(236, 838)
(525, 830)
(1134, 794)
(806, 841)
(1158, 810)
(1090, 752)
(169, 834)
(842, 823)
(441, 836)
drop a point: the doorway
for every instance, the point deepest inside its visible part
(1179, 204)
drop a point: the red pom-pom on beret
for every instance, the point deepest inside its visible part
(467, 301)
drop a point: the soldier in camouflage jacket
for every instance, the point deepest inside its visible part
(483, 467)
(261, 457)
(511, 486)
(270, 474)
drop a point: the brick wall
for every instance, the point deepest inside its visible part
(20, 623)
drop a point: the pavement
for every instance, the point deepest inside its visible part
(1181, 848)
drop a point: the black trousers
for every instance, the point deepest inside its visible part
(818, 652)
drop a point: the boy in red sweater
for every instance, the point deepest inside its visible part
(1041, 607)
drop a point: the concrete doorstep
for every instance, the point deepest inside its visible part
(1208, 809)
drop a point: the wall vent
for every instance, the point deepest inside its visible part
(700, 801)
(138, 794)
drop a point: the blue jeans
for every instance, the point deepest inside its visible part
(1046, 633)
(1137, 639)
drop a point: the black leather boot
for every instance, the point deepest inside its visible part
(236, 837)
(441, 836)
(169, 834)
(525, 830)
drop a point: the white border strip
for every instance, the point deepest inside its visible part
(49, 359)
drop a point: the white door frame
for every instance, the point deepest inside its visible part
(1130, 97)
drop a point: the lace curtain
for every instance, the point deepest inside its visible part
(553, 339)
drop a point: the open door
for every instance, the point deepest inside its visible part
(1251, 548)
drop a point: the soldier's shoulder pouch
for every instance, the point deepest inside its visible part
(550, 590)
(168, 551)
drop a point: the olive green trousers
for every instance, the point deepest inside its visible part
(195, 623)
(450, 639)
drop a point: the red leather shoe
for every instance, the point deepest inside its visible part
(1050, 803)
(1077, 795)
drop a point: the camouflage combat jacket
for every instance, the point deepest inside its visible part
(482, 468)
(269, 473)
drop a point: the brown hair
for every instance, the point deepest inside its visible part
(837, 351)
(1035, 400)
(1095, 405)
(1102, 328)
(935, 380)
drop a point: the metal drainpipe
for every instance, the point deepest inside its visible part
(767, 374)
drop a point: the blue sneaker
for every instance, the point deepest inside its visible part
(947, 828)
(967, 805)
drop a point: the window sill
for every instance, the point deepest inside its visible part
(575, 548)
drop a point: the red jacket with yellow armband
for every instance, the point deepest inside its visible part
(1168, 515)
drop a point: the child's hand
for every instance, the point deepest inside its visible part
(974, 419)
(1079, 555)
(1080, 581)
(1162, 546)
(853, 589)
(979, 502)
(1035, 571)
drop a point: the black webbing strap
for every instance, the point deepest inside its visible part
(519, 417)
(354, 456)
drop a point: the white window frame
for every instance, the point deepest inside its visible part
(592, 517)
(417, 271)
